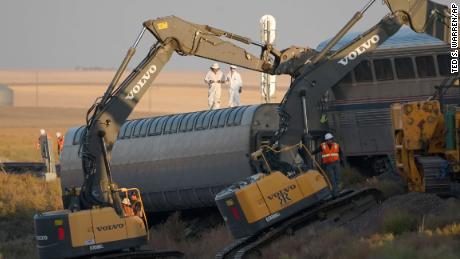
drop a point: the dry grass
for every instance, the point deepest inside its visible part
(173, 235)
(446, 214)
(342, 243)
(417, 245)
(19, 144)
(316, 243)
(398, 222)
(21, 196)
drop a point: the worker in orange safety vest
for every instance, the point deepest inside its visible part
(332, 158)
(60, 142)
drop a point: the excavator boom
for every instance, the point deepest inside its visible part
(206, 42)
(424, 16)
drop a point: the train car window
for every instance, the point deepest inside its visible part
(232, 116)
(121, 133)
(78, 134)
(129, 129)
(209, 117)
(199, 121)
(191, 121)
(425, 66)
(203, 119)
(215, 119)
(137, 128)
(145, 127)
(184, 122)
(363, 72)
(444, 64)
(239, 116)
(173, 124)
(157, 126)
(383, 69)
(168, 125)
(223, 118)
(404, 68)
(346, 79)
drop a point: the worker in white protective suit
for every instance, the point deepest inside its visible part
(214, 79)
(233, 78)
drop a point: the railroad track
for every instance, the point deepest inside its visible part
(341, 210)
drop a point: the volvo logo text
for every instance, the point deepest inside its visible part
(141, 83)
(360, 50)
(282, 195)
(110, 227)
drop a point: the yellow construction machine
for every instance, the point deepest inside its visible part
(287, 194)
(427, 146)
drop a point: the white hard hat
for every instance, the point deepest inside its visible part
(126, 201)
(58, 134)
(215, 66)
(233, 66)
(42, 131)
(328, 136)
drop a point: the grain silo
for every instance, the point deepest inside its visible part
(6, 96)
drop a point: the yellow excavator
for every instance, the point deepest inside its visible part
(100, 219)
(427, 145)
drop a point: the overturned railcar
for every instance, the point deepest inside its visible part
(181, 161)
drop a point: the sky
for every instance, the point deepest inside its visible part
(67, 34)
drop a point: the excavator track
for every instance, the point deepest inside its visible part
(432, 169)
(141, 254)
(342, 209)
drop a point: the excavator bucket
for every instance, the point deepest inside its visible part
(424, 16)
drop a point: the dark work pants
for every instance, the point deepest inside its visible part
(333, 171)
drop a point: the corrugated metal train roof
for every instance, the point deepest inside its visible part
(404, 38)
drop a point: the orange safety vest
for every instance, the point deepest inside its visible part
(60, 144)
(329, 155)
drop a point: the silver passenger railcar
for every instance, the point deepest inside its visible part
(180, 161)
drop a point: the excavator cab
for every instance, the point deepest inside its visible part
(264, 199)
(135, 207)
(67, 234)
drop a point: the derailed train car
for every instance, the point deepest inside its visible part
(407, 67)
(181, 161)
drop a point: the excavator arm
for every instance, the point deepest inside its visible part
(321, 71)
(105, 118)
(206, 42)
